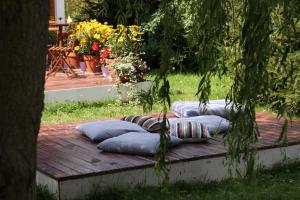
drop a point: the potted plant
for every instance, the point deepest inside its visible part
(130, 68)
(125, 47)
(93, 44)
(73, 57)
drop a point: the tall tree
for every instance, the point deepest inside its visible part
(23, 42)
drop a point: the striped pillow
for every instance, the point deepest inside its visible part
(141, 120)
(130, 118)
(137, 119)
(152, 125)
(149, 123)
(190, 131)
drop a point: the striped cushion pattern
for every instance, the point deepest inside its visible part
(141, 120)
(131, 118)
(152, 125)
(189, 130)
(149, 123)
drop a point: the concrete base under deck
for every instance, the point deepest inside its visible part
(206, 169)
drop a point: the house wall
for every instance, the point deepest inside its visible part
(60, 10)
(57, 10)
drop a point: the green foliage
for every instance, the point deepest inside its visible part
(125, 12)
(252, 62)
(125, 67)
(73, 9)
(284, 66)
(52, 38)
(43, 193)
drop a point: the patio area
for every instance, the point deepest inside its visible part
(61, 81)
(72, 166)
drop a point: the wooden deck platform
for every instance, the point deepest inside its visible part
(70, 164)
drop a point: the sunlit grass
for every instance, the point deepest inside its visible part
(183, 88)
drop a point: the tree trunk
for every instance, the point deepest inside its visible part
(23, 39)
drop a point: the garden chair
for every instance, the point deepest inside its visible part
(58, 56)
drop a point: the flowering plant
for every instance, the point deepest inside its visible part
(126, 40)
(102, 40)
(130, 67)
(92, 38)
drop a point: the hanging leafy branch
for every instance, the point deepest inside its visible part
(162, 87)
(284, 70)
(250, 80)
(227, 35)
(206, 40)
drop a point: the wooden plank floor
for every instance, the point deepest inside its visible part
(61, 81)
(64, 154)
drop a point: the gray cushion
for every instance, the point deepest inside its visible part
(193, 108)
(186, 109)
(214, 123)
(102, 130)
(135, 143)
(216, 109)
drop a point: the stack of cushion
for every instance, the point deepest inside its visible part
(187, 130)
(123, 137)
(140, 134)
(215, 124)
(193, 108)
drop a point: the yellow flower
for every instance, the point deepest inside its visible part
(97, 36)
(83, 41)
(77, 48)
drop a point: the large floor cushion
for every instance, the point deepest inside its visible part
(193, 108)
(186, 109)
(214, 123)
(135, 143)
(102, 130)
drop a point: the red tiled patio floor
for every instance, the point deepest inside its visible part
(63, 154)
(61, 81)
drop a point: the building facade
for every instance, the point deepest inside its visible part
(57, 10)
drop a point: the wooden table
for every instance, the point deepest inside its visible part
(60, 30)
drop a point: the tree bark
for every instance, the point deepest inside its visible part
(23, 39)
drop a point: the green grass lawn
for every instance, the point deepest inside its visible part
(282, 183)
(183, 87)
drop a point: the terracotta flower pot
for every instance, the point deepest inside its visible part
(73, 60)
(91, 64)
(123, 79)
